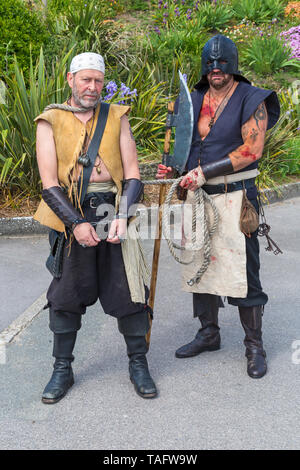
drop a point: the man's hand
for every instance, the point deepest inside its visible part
(164, 171)
(117, 231)
(193, 180)
(85, 234)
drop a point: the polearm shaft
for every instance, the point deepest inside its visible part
(162, 197)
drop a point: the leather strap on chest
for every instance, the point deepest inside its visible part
(93, 150)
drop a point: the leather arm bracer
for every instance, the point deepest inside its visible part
(132, 191)
(61, 205)
(220, 167)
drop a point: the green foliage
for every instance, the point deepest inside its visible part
(267, 55)
(213, 16)
(135, 4)
(22, 34)
(18, 166)
(192, 16)
(281, 155)
(186, 45)
(87, 27)
(59, 7)
(259, 11)
(149, 111)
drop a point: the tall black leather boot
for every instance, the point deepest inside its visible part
(134, 328)
(251, 319)
(208, 337)
(62, 378)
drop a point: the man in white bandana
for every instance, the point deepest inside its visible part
(95, 266)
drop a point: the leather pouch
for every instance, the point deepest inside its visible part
(181, 193)
(55, 260)
(249, 219)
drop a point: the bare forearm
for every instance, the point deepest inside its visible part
(243, 156)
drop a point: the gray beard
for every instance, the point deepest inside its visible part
(80, 102)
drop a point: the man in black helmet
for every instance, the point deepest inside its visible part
(230, 121)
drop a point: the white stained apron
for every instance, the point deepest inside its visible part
(226, 274)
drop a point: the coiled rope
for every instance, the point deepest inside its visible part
(200, 216)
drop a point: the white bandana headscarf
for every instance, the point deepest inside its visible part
(87, 60)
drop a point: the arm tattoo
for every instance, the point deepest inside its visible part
(253, 135)
(260, 114)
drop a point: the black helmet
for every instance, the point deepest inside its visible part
(221, 53)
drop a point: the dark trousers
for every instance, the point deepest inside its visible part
(255, 295)
(90, 274)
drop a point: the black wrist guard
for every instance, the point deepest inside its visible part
(218, 168)
(61, 205)
(132, 191)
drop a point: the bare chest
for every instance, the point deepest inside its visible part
(211, 110)
(205, 118)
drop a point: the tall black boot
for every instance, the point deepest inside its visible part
(62, 378)
(251, 319)
(134, 328)
(208, 337)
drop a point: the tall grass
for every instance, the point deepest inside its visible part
(280, 157)
(23, 102)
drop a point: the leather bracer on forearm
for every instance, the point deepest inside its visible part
(132, 192)
(220, 167)
(61, 205)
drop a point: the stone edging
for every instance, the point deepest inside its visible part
(28, 226)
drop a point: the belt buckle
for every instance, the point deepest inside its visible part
(91, 202)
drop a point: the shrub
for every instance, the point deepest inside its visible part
(24, 101)
(163, 45)
(22, 34)
(281, 154)
(267, 55)
(292, 10)
(259, 11)
(292, 38)
(190, 15)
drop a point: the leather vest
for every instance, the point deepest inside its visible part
(69, 134)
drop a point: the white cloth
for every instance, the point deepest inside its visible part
(87, 61)
(226, 274)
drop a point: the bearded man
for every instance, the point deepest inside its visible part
(93, 265)
(230, 122)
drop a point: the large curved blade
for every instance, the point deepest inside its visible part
(184, 122)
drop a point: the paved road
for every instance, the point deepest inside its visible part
(206, 402)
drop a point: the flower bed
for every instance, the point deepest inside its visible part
(291, 37)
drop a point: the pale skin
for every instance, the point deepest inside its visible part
(253, 131)
(86, 88)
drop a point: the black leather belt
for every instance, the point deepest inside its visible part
(94, 200)
(230, 187)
